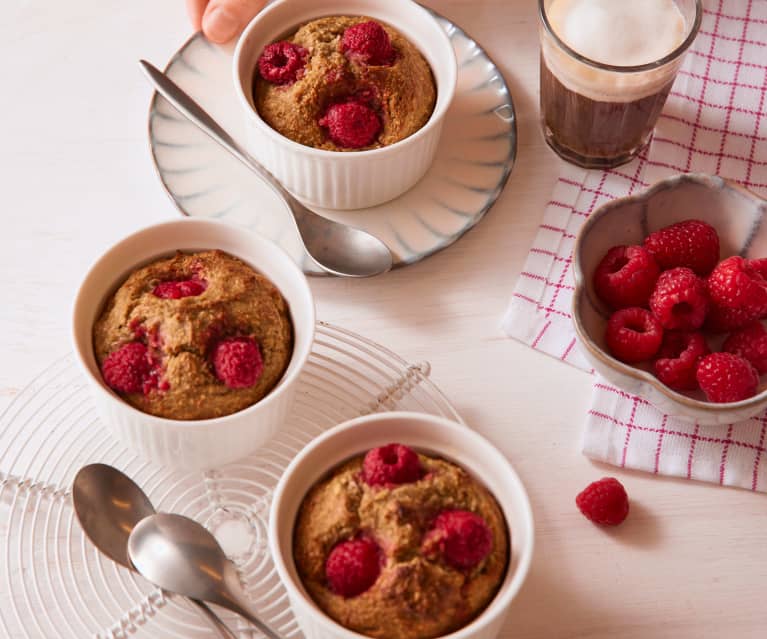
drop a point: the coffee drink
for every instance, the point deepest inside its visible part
(607, 67)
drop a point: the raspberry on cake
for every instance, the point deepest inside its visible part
(353, 566)
(344, 83)
(369, 42)
(351, 125)
(391, 465)
(238, 362)
(414, 558)
(461, 537)
(194, 336)
(625, 277)
(282, 63)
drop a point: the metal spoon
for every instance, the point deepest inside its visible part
(180, 555)
(108, 505)
(337, 248)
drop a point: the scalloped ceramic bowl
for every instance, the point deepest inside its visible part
(737, 214)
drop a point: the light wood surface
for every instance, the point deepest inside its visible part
(76, 176)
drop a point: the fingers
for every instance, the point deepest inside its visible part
(224, 19)
(195, 9)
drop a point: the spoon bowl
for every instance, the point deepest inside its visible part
(108, 504)
(182, 556)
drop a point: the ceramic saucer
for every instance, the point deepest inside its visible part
(473, 161)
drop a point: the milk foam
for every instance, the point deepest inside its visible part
(619, 32)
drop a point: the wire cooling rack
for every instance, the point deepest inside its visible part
(55, 584)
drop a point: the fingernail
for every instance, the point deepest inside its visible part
(220, 25)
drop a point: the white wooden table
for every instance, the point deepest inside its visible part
(76, 176)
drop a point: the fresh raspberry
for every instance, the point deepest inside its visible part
(692, 243)
(736, 284)
(391, 464)
(625, 277)
(176, 289)
(760, 266)
(633, 335)
(678, 358)
(353, 566)
(461, 537)
(128, 369)
(604, 502)
(721, 319)
(351, 125)
(750, 342)
(369, 42)
(282, 62)
(237, 362)
(725, 377)
(680, 300)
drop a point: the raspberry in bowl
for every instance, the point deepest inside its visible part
(400, 526)
(344, 102)
(696, 242)
(191, 335)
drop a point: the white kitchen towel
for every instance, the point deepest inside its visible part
(715, 121)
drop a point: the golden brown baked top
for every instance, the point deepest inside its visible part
(422, 590)
(400, 91)
(194, 336)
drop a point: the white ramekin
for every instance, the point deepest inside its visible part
(194, 444)
(426, 433)
(354, 179)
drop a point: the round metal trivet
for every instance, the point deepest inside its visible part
(55, 584)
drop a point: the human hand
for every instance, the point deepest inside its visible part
(222, 20)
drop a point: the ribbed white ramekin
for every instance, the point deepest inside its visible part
(354, 179)
(435, 435)
(205, 443)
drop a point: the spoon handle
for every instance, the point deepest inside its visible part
(187, 106)
(214, 620)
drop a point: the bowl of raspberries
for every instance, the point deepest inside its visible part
(671, 297)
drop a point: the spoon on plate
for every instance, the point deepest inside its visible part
(108, 505)
(336, 248)
(181, 556)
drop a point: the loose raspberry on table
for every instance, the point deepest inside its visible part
(736, 284)
(604, 502)
(369, 42)
(237, 362)
(725, 377)
(633, 335)
(353, 566)
(461, 537)
(351, 125)
(680, 300)
(282, 62)
(129, 369)
(750, 342)
(176, 289)
(391, 464)
(678, 358)
(691, 243)
(625, 277)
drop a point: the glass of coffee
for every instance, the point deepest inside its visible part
(607, 67)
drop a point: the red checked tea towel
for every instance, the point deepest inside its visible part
(715, 121)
